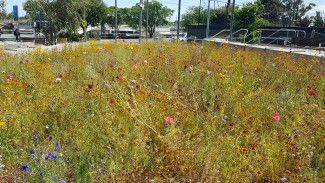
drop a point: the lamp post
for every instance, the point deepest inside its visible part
(147, 20)
(140, 21)
(179, 19)
(116, 21)
(208, 20)
(232, 20)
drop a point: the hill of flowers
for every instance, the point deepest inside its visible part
(161, 112)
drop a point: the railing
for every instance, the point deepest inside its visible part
(227, 36)
(286, 39)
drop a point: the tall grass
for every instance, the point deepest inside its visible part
(100, 110)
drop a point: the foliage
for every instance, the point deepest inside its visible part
(109, 18)
(55, 15)
(3, 12)
(158, 15)
(162, 112)
(318, 20)
(250, 16)
(273, 10)
(197, 16)
(295, 10)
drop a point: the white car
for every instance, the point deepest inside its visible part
(182, 38)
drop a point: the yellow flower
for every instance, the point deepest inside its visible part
(221, 75)
(2, 124)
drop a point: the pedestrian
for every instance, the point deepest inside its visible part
(17, 34)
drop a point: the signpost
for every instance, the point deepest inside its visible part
(15, 13)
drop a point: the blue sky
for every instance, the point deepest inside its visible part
(170, 3)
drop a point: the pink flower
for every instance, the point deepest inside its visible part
(276, 117)
(145, 62)
(169, 119)
(10, 77)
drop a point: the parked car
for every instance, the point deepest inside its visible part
(182, 38)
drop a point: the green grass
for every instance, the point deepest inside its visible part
(105, 105)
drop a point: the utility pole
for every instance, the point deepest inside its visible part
(208, 20)
(147, 24)
(232, 20)
(179, 18)
(200, 12)
(140, 21)
(116, 21)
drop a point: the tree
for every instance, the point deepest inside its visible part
(295, 10)
(318, 20)
(55, 15)
(250, 16)
(305, 22)
(158, 15)
(273, 10)
(109, 16)
(3, 12)
(192, 16)
(92, 13)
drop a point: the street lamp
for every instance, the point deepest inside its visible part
(179, 18)
(140, 21)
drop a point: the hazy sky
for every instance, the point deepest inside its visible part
(173, 4)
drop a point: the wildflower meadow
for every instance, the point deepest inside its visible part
(161, 112)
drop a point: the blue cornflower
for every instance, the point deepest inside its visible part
(32, 152)
(53, 178)
(24, 167)
(56, 147)
(29, 169)
(49, 155)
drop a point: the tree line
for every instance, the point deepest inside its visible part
(286, 13)
(70, 15)
(57, 16)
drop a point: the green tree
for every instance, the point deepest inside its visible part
(56, 15)
(3, 12)
(92, 13)
(295, 10)
(109, 16)
(318, 20)
(250, 16)
(158, 15)
(273, 10)
(195, 16)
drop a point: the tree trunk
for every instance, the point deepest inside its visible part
(85, 33)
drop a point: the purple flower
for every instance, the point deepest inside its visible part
(35, 139)
(62, 181)
(24, 167)
(36, 132)
(53, 178)
(56, 147)
(29, 169)
(32, 152)
(50, 137)
(8, 116)
(55, 156)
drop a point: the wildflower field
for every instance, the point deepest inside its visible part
(161, 112)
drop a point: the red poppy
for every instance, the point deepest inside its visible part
(312, 93)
